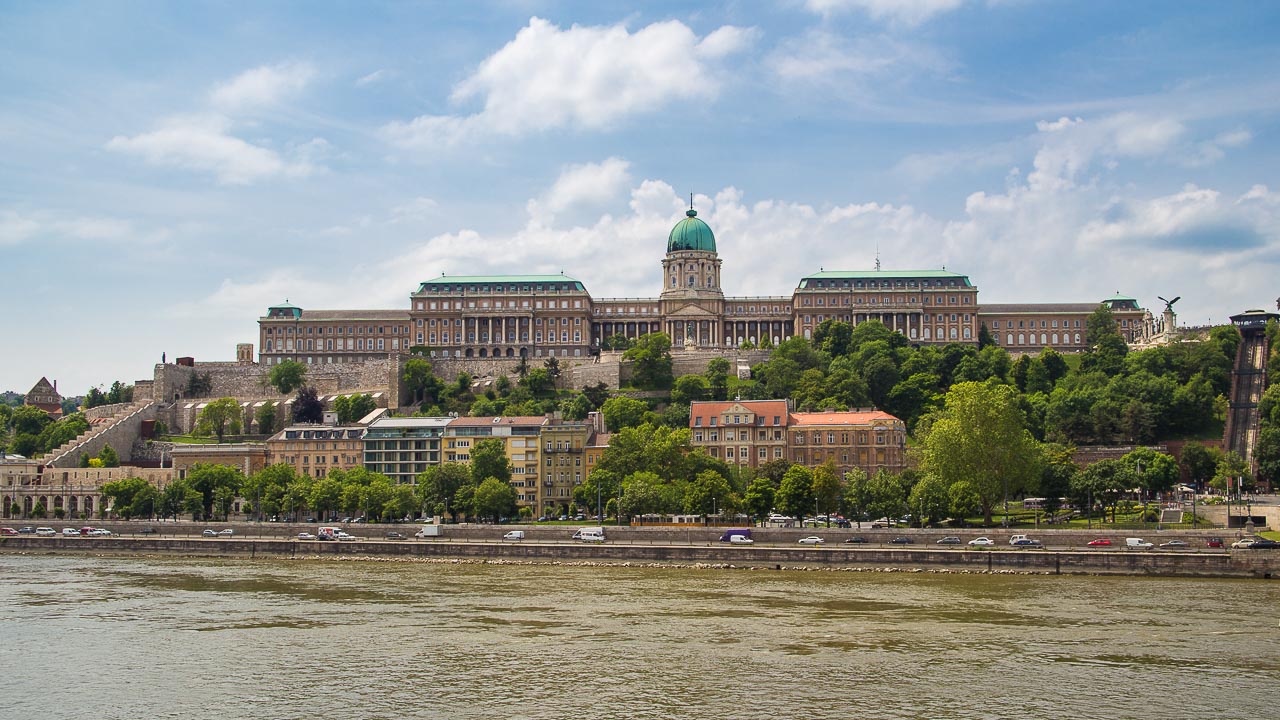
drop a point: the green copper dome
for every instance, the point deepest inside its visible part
(691, 234)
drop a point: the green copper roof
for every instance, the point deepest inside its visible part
(1118, 296)
(691, 234)
(284, 310)
(491, 282)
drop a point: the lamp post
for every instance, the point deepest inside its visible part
(713, 508)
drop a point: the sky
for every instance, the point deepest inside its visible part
(170, 170)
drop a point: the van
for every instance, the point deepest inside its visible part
(514, 535)
(739, 532)
(1013, 540)
(1136, 543)
(581, 533)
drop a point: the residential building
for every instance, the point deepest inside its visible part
(564, 445)
(872, 440)
(519, 436)
(741, 432)
(315, 450)
(44, 395)
(402, 447)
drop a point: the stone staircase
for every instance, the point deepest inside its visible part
(119, 431)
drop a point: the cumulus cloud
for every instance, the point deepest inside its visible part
(589, 185)
(262, 86)
(586, 76)
(204, 142)
(905, 12)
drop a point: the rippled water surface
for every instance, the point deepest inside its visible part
(150, 638)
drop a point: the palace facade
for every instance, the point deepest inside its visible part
(510, 316)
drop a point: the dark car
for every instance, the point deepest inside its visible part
(949, 540)
(1263, 544)
(859, 540)
(1215, 542)
(148, 531)
(26, 530)
(902, 541)
(394, 536)
(1027, 542)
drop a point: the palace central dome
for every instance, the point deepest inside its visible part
(691, 234)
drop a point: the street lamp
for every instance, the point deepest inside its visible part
(713, 508)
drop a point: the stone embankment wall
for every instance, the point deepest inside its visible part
(249, 381)
(106, 411)
(1244, 563)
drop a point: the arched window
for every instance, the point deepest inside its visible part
(1010, 342)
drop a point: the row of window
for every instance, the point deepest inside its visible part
(511, 337)
(329, 330)
(536, 287)
(887, 300)
(1045, 339)
(508, 304)
(884, 284)
(352, 344)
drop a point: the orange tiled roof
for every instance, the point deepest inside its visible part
(840, 418)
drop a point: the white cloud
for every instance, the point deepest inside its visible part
(589, 77)
(16, 229)
(906, 12)
(590, 184)
(203, 142)
(261, 86)
(371, 78)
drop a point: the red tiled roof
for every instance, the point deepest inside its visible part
(840, 418)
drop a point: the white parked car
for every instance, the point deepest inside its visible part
(100, 531)
(811, 540)
(226, 533)
(306, 536)
(71, 532)
(345, 536)
(45, 531)
(982, 542)
(740, 540)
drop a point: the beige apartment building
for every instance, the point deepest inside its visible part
(741, 432)
(519, 436)
(564, 467)
(315, 450)
(533, 316)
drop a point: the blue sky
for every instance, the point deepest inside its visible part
(169, 170)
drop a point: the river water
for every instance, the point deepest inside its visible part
(107, 638)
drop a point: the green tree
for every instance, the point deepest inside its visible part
(122, 494)
(1106, 346)
(1267, 454)
(351, 408)
(214, 481)
(265, 488)
(29, 420)
(539, 383)
(651, 361)
(220, 417)
(689, 388)
(58, 433)
(1101, 483)
(887, 495)
(489, 460)
(422, 382)
(718, 378)
(1232, 475)
(265, 417)
(759, 496)
(795, 494)
(576, 407)
(828, 488)
(1156, 472)
(930, 500)
(623, 412)
(1201, 463)
(597, 394)
(287, 376)
(494, 498)
(709, 493)
(980, 437)
(109, 457)
(326, 496)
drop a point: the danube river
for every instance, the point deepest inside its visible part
(107, 638)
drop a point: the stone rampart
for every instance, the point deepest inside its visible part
(249, 381)
(106, 411)
(120, 433)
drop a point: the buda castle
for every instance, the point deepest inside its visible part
(539, 316)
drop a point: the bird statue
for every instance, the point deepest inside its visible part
(1168, 304)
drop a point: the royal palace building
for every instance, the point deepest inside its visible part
(510, 316)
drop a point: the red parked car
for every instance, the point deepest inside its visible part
(1100, 542)
(1214, 542)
